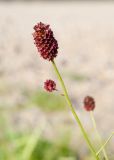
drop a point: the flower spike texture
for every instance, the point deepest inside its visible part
(45, 42)
(50, 85)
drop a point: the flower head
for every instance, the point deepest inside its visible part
(50, 85)
(45, 42)
(89, 103)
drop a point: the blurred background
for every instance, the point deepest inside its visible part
(35, 125)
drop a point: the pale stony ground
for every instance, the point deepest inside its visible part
(85, 33)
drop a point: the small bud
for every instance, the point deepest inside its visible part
(89, 103)
(45, 42)
(50, 85)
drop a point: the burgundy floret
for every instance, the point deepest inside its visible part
(50, 85)
(89, 103)
(45, 42)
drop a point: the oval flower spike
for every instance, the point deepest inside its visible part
(45, 42)
(50, 85)
(89, 103)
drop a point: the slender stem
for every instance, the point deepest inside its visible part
(74, 113)
(105, 144)
(97, 133)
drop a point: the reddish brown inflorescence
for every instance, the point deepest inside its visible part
(50, 85)
(89, 103)
(45, 42)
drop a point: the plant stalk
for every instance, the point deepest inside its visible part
(98, 135)
(74, 113)
(102, 147)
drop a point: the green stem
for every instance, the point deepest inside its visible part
(74, 113)
(97, 133)
(105, 144)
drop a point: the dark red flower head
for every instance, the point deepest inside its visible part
(45, 42)
(50, 85)
(89, 103)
